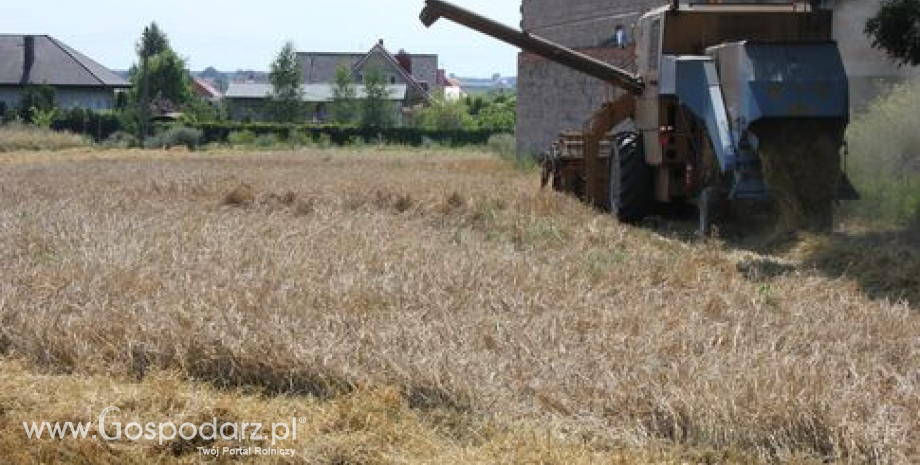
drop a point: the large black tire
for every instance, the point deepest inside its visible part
(631, 192)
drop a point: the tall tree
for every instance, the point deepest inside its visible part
(377, 110)
(344, 96)
(159, 74)
(286, 77)
(896, 30)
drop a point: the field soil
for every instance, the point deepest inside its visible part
(416, 306)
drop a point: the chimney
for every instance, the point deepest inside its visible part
(405, 61)
(28, 58)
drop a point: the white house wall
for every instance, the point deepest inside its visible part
(90, 99)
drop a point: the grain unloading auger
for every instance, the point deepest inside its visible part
(742, 102)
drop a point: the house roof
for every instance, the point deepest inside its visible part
(379, 48)
(205, 89)
(55, 64)
(311, 92)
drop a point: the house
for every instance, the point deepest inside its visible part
(206, 90)
(246, 101)
(452, 87)
(78, 81)
(410, 79)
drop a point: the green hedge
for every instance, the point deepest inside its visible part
(97, 125)
(340, 135)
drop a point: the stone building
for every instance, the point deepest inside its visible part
(552, 99)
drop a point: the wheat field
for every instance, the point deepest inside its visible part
(434, 306)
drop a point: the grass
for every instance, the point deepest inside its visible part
(425, 306)
(885, 160)
(14, 137)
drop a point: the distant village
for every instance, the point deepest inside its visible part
(77, 81)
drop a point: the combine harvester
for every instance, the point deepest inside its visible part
(733, 104)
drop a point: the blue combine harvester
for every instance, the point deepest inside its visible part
(730, 104)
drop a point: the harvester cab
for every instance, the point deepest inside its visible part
(729, 104)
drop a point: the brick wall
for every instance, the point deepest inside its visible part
(552, 98)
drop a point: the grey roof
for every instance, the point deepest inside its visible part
(55, 64)
(311, 92)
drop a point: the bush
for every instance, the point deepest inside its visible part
(98, 125)
(219, 132)
(176, 136)
(241, 138)
(120, 140)
(266, 141)
(298, 138)
(884, 161)
(17, 136)
(503, 145)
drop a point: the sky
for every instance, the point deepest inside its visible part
(247, 35)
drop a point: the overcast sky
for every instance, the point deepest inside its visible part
(247, 35)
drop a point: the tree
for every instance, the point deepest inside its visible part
(499, 115)
(344, 96)
(36, 100)
(169, 80)
(896, 30)
(377, 110)
(444, 114)
(286, 76)
(160, 73)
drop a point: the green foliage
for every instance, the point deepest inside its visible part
(444, 114)
(42, 118)
(199, 110)
(220, 132)
(119, 140)
(286, 104)
(98, 125)
(160, 75)
(498, 115)
(177, 136)
(377, 109)
(884, 161)
(266, 141)
(241, 138)
(36, 99)
(345, 109)
(17, 136)
(896, 30)
(153, 41)
(503, 145)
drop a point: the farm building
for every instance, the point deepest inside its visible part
(79, 82)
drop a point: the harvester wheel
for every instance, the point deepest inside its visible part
(631, 190)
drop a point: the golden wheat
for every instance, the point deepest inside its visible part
(448, 281)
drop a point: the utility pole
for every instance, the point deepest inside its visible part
(145, 87)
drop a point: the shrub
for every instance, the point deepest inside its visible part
(298, 138)
(884, 161)
(219, 132)
(17, 136)
(176, 136)
(503, 145)
(120, 140)
(266, 141)
(245, 137)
